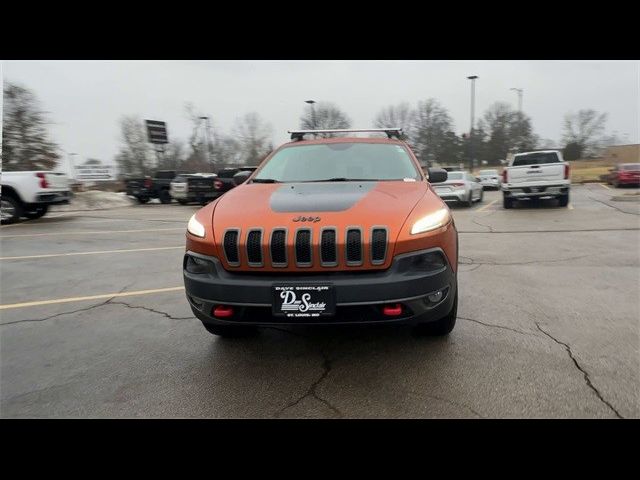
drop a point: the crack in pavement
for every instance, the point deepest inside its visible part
(105, 303)
(151, 310)
(587, 379)
(493, 325)
(312, 390)
(483, 225)
(613, 206)
(531, 262)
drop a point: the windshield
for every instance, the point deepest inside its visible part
(535, 158)
(339, 161)
(488, 172)
(455, 175)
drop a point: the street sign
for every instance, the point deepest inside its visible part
(95, 173)
(157, 132)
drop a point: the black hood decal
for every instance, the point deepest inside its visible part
(319, 197)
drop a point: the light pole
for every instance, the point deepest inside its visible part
(473, 107)
(206, 139)
(520, 92)
(313, 113)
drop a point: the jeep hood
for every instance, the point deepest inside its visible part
(338, 204)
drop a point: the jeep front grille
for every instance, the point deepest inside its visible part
(303, 247)
(278, 247)
(354, 246)
(254, 248)
(324, 247)
(230, 245)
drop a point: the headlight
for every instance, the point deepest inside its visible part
(431, 221)
(194, 227)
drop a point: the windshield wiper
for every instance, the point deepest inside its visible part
(264, 180)
(343, 179)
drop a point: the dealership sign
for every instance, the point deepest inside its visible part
(95, 173)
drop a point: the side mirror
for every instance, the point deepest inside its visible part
(437, 175)
(241, 177)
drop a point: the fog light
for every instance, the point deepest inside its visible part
(435, 297)
(197, 265)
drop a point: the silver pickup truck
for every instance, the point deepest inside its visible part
(536, 175)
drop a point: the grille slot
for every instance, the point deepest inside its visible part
(230, 245)
(278, 247)
(328, 248)
(378, 245)
(303, 247)
(354, 246)
(254, 248)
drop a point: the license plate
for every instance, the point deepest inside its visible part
(303, 301)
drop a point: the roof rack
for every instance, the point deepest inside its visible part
(298, 135)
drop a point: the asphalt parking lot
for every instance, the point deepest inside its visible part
(94, 324)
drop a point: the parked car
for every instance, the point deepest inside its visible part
(536, 175)
(147, 188)
(489, 179)
(326, 231)
(29, 194)
(460, 187)
(194, 187)
(226, 178)
(624, 174)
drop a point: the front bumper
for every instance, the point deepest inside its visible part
(490, 183)
(359, 295)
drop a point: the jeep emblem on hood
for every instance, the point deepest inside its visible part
(306, 219)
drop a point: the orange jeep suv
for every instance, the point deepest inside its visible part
(326, 231)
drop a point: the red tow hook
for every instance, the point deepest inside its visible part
(392, 310)
(222, 311)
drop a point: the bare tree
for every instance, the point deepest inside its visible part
(253, 137)
(25, 140)
(401, 115)
(174, 156)
(134, 156)
(324, 116)
(583, 132)
(431, 132)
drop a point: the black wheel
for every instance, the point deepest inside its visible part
(563, 201)
(37, 212)
(230, 331)
(481, 195)
(182, 202)
(469, 201)
(165, 197)
(507, 202)
(143, 200)
(11, 210)
(439, 327)
(616, 184)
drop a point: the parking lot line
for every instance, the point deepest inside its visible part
(98, 252)
(487, 206)
(605, 186)
(90, 297)
(570, 207)
(96, 232)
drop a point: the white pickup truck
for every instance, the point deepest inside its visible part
(29, 194)
(536, 175)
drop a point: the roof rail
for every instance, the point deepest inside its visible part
(297, 135)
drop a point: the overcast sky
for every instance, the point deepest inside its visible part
(86, 98)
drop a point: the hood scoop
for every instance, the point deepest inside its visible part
(319, 197)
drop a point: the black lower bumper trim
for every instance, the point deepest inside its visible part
(359, 296)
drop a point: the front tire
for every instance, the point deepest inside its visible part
(507, 202)
(11, 209)
(182, 202)
(37, 212)
(229, 331)
(143, 200)
(469, 202)
(441, 327)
